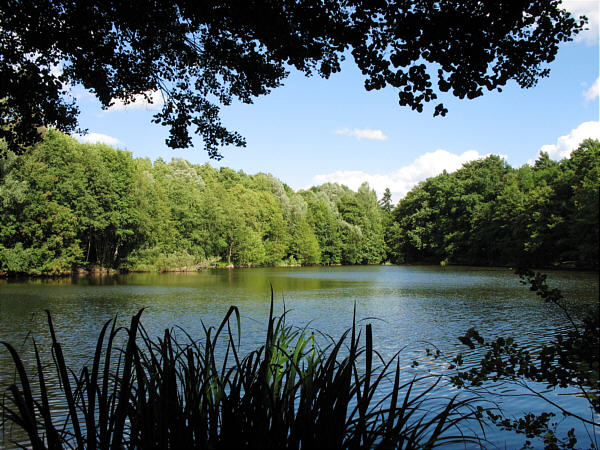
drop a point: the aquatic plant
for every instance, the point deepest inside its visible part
(291, 392)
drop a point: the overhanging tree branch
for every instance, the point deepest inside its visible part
(206, 54)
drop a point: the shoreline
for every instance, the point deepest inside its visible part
(98, 271)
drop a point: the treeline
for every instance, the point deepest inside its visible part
(488, 213)
(67, 205)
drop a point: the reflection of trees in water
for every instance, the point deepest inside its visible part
(404, 315)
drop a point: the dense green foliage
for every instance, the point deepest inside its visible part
(488, 213)
(67, 204)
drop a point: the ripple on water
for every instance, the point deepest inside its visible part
(409, 307)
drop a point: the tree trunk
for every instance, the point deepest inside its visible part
(116, 250)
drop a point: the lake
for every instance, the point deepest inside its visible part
(409, 306)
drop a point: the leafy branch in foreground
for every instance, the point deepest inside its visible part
(189, 59)
(289, 393)
(571, 360)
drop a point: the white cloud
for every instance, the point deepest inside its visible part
(364, 133)
(81, 93)
(56, 70)
(404, 179)
(97, 138)
(155, 101)
(593, 91)
(566, 144)
(590, 9)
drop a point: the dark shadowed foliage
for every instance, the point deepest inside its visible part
(570, 360)
(198, 56)
(183, 393)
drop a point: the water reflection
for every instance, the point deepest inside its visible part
(416, 306)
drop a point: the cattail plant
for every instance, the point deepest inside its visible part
(291, 392)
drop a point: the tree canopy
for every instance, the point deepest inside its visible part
(490, 213)
(65, 205)
(202, 55)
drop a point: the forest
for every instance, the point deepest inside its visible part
(68, 206)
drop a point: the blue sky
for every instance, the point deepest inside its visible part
(312, 130)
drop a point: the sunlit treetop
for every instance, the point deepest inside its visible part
(200, 55)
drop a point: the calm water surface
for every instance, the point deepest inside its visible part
(412, 306)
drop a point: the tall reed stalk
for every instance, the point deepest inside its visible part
(182, 393)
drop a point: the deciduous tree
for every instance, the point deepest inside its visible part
(200, 55)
